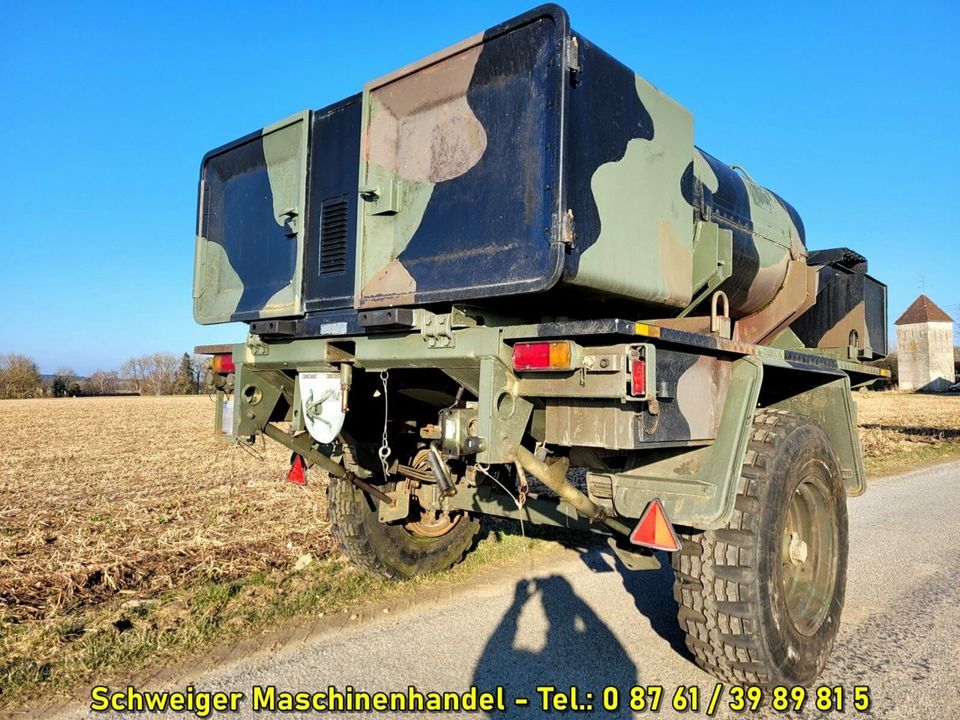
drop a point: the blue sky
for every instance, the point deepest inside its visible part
(849, 111)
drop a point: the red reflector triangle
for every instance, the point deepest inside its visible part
(298, 473)
(654, 530)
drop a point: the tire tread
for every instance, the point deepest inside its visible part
(348, 509)
(717, 583)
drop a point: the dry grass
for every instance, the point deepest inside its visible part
(129, 534)
(901, 430)
(136, 495)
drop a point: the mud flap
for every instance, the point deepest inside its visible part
(634, 559)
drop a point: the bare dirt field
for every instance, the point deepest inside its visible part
(107, 503)
(127, 518)
(102, 495)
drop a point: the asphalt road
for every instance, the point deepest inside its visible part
(587, 622)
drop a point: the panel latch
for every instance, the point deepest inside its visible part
(382, 198)
(290, 219)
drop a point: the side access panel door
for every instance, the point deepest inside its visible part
(249, 253)
(460, 169)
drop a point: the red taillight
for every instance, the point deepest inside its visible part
(557, 355)
(223, 364)
(638, 378)
(654, 530)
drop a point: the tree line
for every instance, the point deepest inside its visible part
(152, 374)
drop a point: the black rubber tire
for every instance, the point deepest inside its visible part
(730, 582)
(390, 550)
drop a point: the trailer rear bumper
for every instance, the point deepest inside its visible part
(691, 461)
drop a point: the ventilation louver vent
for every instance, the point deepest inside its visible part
(333, 237)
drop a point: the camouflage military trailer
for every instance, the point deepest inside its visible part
(508, 260)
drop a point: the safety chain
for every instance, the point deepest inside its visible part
(522, 487)
(485, 469)
(384, 451)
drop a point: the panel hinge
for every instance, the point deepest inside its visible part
(567, 232)
(573, 59)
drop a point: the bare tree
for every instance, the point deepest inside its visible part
(888, 363)
(102, 382)
(201, 371)
(186, 381)
(134, 370)
(19, 377)
(160, 372)
(68, 375)
(66, 382)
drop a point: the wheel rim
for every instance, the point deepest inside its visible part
(810, 555)
(432, 524)
(428, 523)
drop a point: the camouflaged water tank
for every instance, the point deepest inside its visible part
(522, 160)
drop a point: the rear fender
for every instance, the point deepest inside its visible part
(832, 406)
(697, 486)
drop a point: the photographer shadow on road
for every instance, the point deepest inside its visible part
(578, 650)
(572, 646)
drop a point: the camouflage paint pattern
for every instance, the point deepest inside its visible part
(767, 232)
(459, 161)
(851, 327)
(701, 391)
(798, 293)
(644, 250)
(697, 370)
(526, 169)
(413, 137)
(850, 309)
(690, 391)
(434, 135)
(523, 160)
(249, 237)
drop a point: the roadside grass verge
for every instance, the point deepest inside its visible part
(126, 637)
(913, 457)
(906, 430)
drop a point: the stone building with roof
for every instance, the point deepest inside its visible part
(925, 347)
